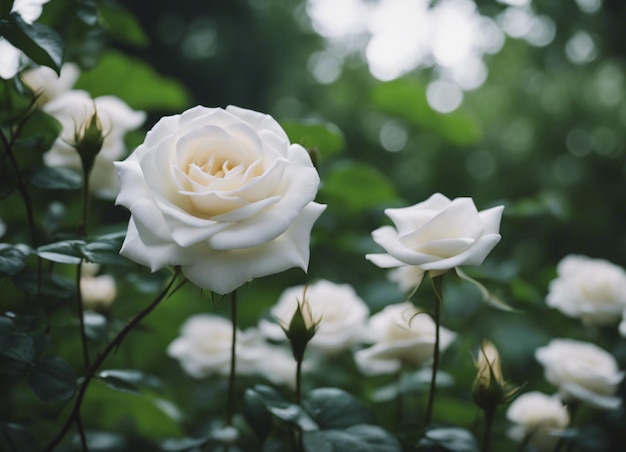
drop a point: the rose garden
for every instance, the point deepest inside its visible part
(191, 269)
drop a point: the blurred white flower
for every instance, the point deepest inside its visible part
(97, 292)
(10, 57)
(593, 290)
(204, 346)
(341, 315)
(47, 84)
(581, 371)
(407, 278)
(3, 228)
(73, 109)
(537, 417)
(402, 334)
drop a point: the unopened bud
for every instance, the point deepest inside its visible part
(88, 141)
(490, 388)
(301, 328)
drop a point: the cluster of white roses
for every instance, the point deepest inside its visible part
(594, 291)
(74, 109)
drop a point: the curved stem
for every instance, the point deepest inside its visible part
(91, 372)
(436, 282)
(233, 361)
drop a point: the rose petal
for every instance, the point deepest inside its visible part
(224, 271)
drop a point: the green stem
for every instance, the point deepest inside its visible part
(489, 416)
(400, 398)
(299, 381)
(230, 407)
(436, 283)
(81, 318)
(572, 407)
(91, 372)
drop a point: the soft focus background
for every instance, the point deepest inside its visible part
(513, 102)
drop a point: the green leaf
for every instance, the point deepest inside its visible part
(131, 413)
(284, 410)
(335, 408)
(487, 296)
(358, 438)
(134, 81)
(87, 11)
(57, 178)
(406, 98)
(127, 380)
(5, 8)
(105, 249)
(18, 346)
(353, 187)
(51, 285)
(65, 252)
(40, 43)
(122, 24)
(12, 258)
(53, 379)
(448, 439)
(39, 132)
(256, 414)
(323, 136)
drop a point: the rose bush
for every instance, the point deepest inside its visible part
(537, 418)
(593, 290)
(221, 193)
(437, 235)
(73, 109)
(581, 371)
(402, 334)
(337, 309)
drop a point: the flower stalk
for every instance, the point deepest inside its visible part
(230, 404)
(437, 286)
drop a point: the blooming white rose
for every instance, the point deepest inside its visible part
(204, 347)
(336, 308)
(221, 193)
(437, 235)
(97, 291)
(29, 11)
(537, 417)
(581, 371)
(593, 290)
(402, 334)
(73, 109)
(44, 82)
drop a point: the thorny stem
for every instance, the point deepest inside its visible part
(91, 371)
(436, 282)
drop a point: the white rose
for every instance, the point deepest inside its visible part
(337, 309)
(537, 417)
(402, 334)
(44, 82)
(73, 109)
(593, 290)
(581, 371)
(437, 234)
(204, 347)
(221, 193)
(10, 56)
(97, 292)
